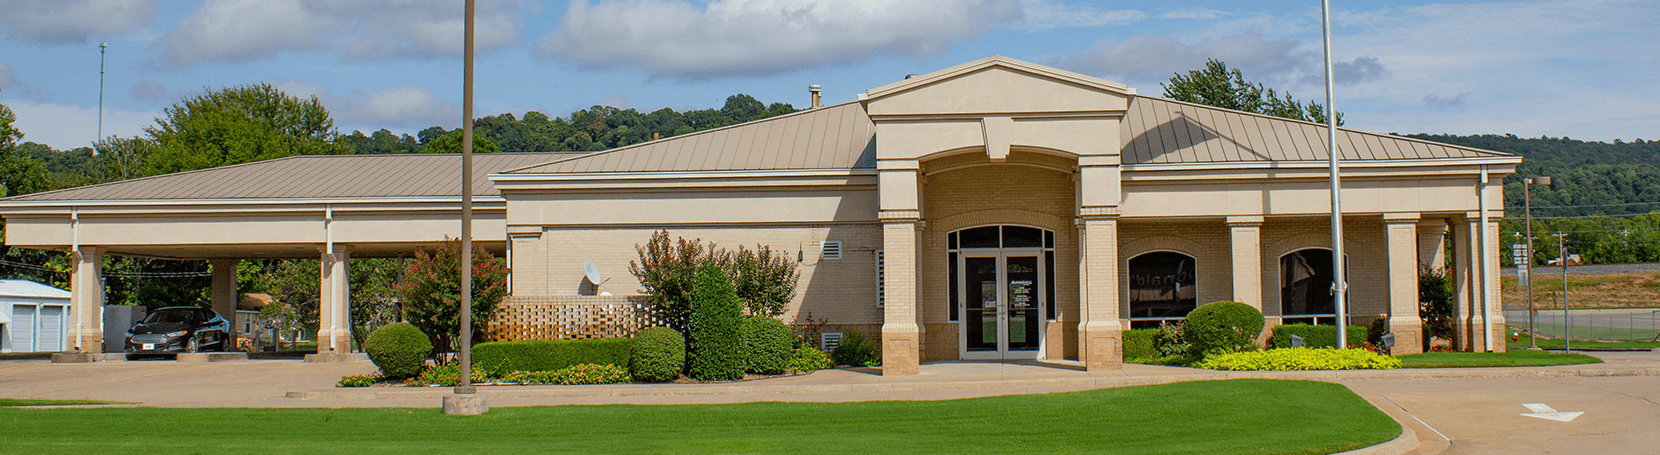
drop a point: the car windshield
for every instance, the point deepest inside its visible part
(170, 316)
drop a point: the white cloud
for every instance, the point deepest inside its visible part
(1148, 59)
(56, 22)
(1361, 69)
(247, 30)
(1194, 13)
(1435, 100)
(67, 127)
(408, 106)
(1044, 14)
(683, 40)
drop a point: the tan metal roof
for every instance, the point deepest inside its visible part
(1157, 130)
(831, 137)
(313, 176)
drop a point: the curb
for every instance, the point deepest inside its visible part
(1004, 387)
(1406, 442)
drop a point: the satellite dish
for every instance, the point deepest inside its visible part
(592, 271)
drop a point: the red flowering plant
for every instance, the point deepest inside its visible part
(431, 291)
(1379, 349)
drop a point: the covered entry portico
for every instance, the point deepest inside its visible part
(306, 207)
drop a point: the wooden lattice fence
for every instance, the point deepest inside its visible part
(572, 317)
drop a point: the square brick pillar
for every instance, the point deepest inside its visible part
(86, 301)
(1495, 304)
(224, 296)
(1432, 251)
(898, 187)
(334, 310)
(1101, 334)
(1401, 236)
(1245, 239)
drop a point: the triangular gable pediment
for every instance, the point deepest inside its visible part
(996, 84)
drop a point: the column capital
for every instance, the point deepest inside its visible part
(1098, 212)
(899, 215)
(1401, 218)
(1244, 221)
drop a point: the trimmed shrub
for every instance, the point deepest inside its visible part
(448, 374)
(808, 358)
(1138, 343)
(855, 350)
(1221, 327)
(1300, 359)
(768, 345)
(498, 358)
(359, 380)
(717, 328)
(1168, 341)
(1315, 336)
(659, 355)
(399, 349)
(586, 373)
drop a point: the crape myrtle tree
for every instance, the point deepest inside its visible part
(431, 291)
(764, 279)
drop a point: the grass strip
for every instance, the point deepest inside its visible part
(1493, 359)
(1194, 417)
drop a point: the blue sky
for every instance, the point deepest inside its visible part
(1579, 68)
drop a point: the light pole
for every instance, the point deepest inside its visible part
(1527, 200)
(465, 400)
(100, 137)
(1339, 283)
(1567, 327)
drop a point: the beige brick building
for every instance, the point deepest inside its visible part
(993, 210)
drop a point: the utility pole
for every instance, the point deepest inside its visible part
(1527, 199)
(1567, 328)
(101, 47)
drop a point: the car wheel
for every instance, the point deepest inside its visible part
(191, 346)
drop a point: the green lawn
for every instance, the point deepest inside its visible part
(1590, 332)
(1557, 343)
(1238, 416)
(9, 402)
(1518, 358)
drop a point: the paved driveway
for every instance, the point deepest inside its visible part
(1469, 416)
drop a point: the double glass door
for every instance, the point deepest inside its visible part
(1003, 306)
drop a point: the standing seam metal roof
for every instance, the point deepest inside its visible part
(832, 137)
(314, 176)
(1157, 130)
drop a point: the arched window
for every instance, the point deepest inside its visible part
(1305, 287)
(1162, 288)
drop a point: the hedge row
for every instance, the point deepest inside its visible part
(1138, 344)
(1293, 359)
(499, 358)
(1316, 336)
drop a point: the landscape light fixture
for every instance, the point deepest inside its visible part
(1527, 239)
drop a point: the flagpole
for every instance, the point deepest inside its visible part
(1340, 284)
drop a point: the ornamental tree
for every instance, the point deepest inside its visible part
(431, 291)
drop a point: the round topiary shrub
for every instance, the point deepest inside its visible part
(658, 356)
(1220, 327)
(399, 349)
(767, 345)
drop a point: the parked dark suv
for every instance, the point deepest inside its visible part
(178, 329)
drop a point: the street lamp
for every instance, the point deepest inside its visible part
(1527, 198)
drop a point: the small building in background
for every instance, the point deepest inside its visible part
(34, 317)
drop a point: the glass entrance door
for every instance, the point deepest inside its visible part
(1003, 308)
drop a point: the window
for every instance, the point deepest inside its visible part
(985, 238)
(830, 250)
(1305, 287)
(1163, 288)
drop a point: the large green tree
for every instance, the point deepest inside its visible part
(1220, 86)
(240, 125)
(23, 174)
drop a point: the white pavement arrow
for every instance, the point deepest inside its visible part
(1545, 412)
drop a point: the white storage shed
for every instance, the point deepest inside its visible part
(33, 317)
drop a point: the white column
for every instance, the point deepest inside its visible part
(900, 215)
(1467, 277)
(1401, 235)
(86, 301)
(225, 296)
(333, 305)
(1245, 238)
